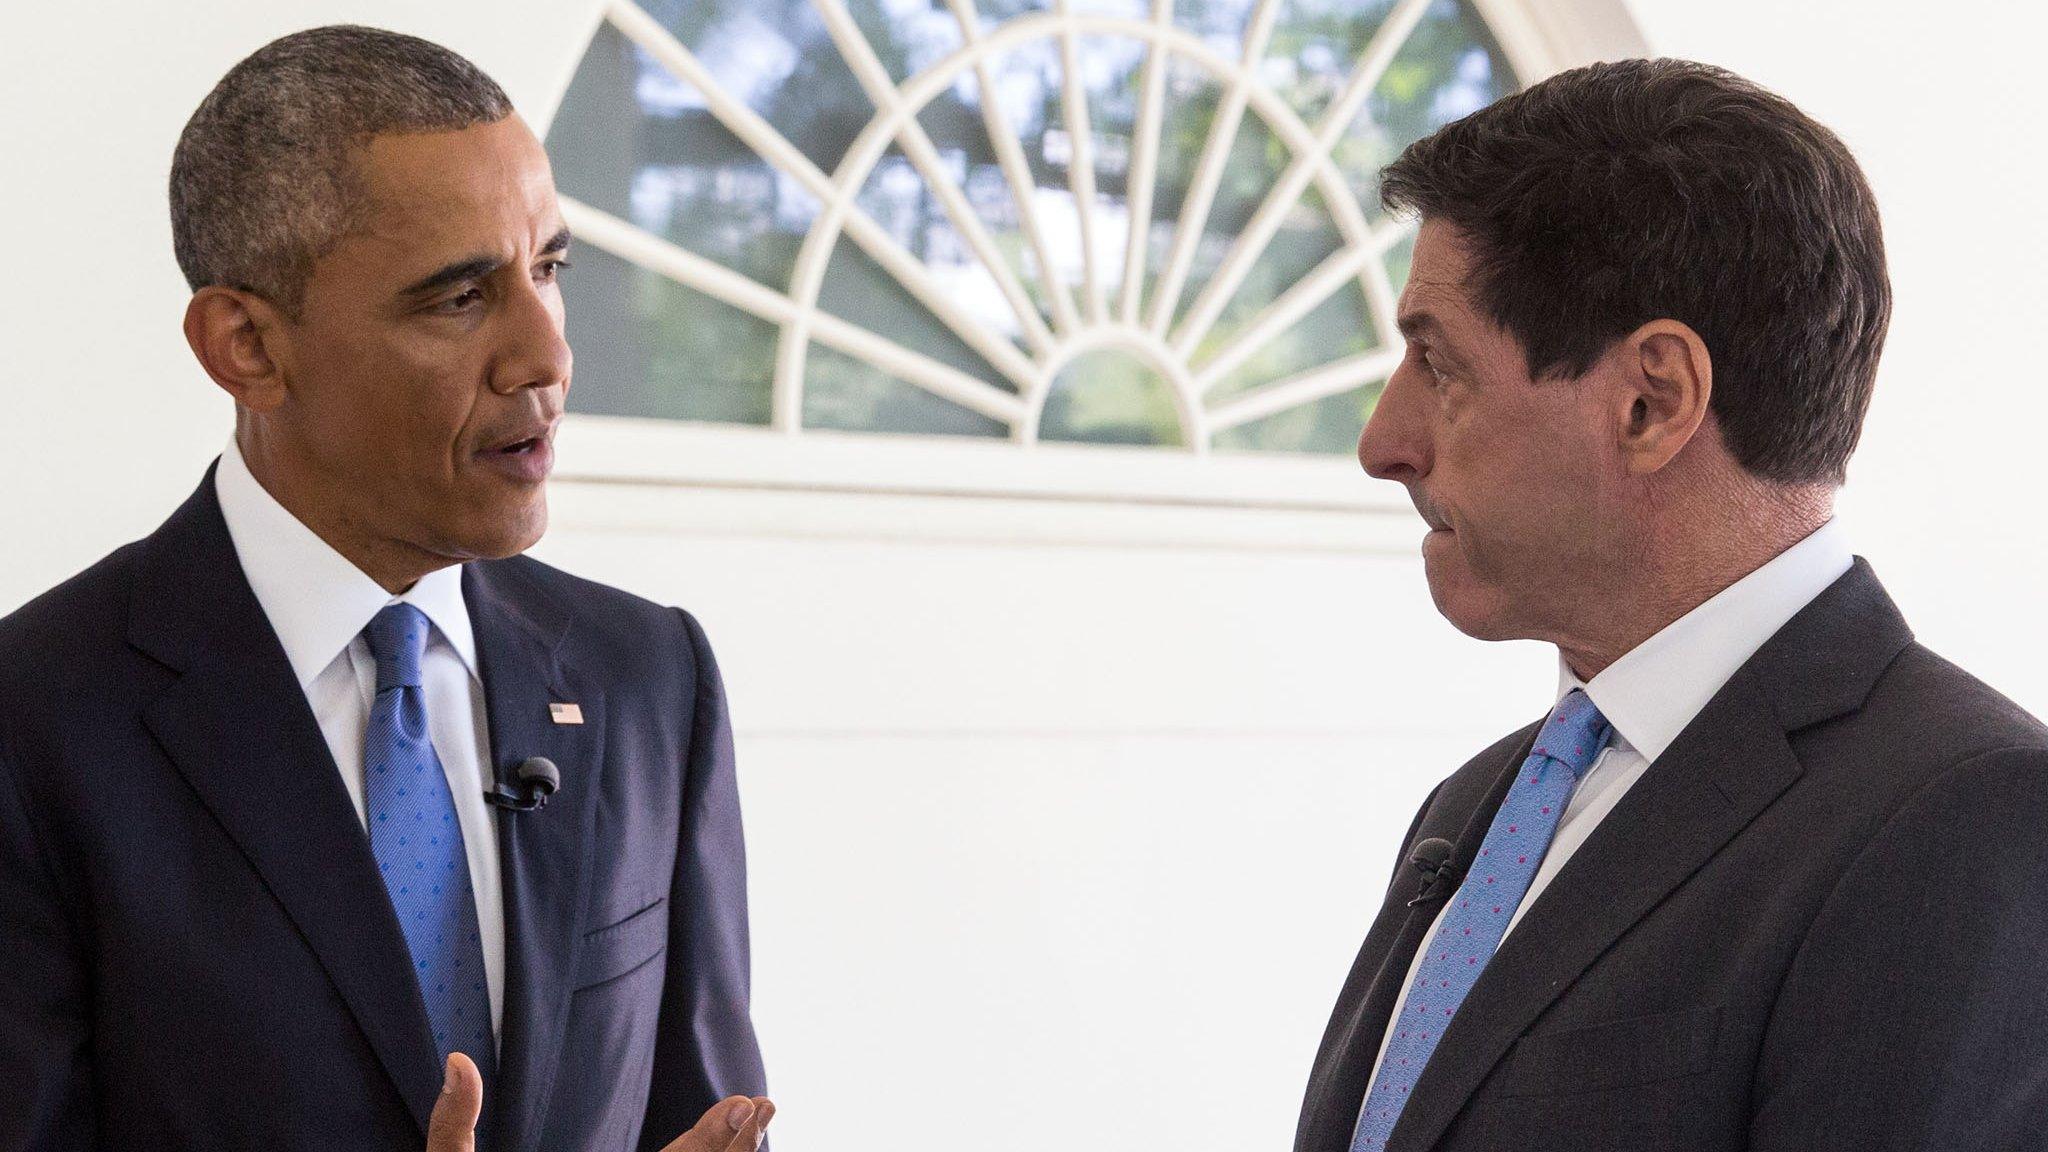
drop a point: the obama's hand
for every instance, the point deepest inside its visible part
(734, 1124)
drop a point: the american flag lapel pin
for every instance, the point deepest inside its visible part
(566, 713)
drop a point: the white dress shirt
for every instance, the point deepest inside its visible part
(318, 604)
(1650, 694)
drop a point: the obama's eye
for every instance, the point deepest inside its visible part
(462, 301)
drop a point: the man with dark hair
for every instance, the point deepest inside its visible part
(1770, 875)
(327, 820)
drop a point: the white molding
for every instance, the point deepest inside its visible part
(760, 511)
(678, 454)
(624, 475)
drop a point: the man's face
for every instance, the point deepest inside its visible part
(1512, 474)
(427, 370)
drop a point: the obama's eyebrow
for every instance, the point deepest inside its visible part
(476, 268)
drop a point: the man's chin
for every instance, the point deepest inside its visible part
(504, 533)
(1469, 607)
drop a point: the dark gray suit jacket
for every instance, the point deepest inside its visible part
(195, 948)
(1819, 921)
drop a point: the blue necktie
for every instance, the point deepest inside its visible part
(1472, 927)
(417, 840)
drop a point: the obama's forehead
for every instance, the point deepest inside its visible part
(432, 200)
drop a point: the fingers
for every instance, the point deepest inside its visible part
(749, 1133)
(734, 1124)
(452, 1127)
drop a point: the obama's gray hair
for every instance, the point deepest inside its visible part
(263, 182)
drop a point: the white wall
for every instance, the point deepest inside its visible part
(1055, 844)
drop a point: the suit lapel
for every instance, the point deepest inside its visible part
(1708, 786)
(238, 727)
(1345, 1065)
(544, 854)
(1729, 765)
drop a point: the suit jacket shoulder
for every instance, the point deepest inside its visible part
(617, 615)
(635, 637)
(52, 639)
(1950, 712)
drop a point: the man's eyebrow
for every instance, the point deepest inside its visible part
(1413, 324)
(476, 268)
(473, 268)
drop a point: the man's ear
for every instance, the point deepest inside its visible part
(1667, 380)
(238, 338)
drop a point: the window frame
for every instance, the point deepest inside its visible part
(750, 470)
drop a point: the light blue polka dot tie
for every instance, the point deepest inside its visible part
(1472, 927)
(417, 840)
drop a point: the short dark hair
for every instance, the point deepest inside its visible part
(263, 183)
(1612, 195)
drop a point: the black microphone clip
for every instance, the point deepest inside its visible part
(538, 780)
(1432, 858)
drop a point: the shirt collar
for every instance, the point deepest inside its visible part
(1657, 687)
(318, 601)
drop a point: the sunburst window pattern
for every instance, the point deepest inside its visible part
(1109, 221)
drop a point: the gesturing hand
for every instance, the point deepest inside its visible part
(452, 1127)
(734, 1124)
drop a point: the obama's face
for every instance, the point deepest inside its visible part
(425, 372)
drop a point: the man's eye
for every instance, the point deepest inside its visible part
(553, 269)
(462, 301)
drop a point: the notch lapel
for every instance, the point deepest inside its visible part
(239, 730)
(1730, 764)
(1344, 1066)
(544, 854)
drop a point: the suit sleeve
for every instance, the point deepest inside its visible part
(45, 1052)
(706, 1048)
(1915, 1015)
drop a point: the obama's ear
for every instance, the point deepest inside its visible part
(237, 338)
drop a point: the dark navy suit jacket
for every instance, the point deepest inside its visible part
(196, 951)
(1818, 923)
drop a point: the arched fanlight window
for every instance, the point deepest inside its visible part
(1096, 221)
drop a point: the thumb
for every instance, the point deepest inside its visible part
(734, 1122)
(452, 1128)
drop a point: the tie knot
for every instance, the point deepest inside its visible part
(1575, 733)
(397, 635)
